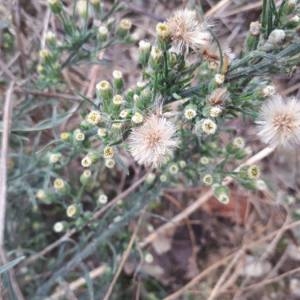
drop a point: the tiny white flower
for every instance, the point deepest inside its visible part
(238, 142)
(190, 112)
(124, 113)
(110, 163)
(208, 126)
(219, 79)
(269, 90)
(102, 199)
(118, 100)
(58, 227)
(137, 118)
(93, 117)
(102, 132)
(117, 74)
(215, 111)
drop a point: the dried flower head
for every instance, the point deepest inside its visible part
(218, 97)
(187, 31)
(153, 143)
(279, 122)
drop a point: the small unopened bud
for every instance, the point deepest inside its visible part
(103, 33)
(144, 52)
(102, 199)
(59, 227)
(85, 177)
(215, 111)
(72, 211)
(118, 80)
(110, 163)
(190, 112)
(55, 6)
(105, 90)
(222, 194)
(79, 136)
(173, 169)
(238, 142)
(82, 7)
(268, 91)
(276, 37)
(255, 28)
(124, 28)
(41, 195)
(50, 38)
(137, 118)
(219, 79)
(65, 136)
(60, 185)
(163, 31)
(207, 179)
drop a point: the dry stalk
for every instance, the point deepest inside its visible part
(123, 260)
(4, 157)
(76, 284)
(224, 260)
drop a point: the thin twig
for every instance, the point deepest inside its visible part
(96, 215)
(222, 261)
(76, 284)
(3, 182)
(215, 292)
(123, 260)
(201, 200)
(3, 159)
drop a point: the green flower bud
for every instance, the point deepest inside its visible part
(55, 6)
(118, 81)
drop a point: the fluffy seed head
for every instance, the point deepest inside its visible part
(153, 143)
(279, 122)
(187, 31)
